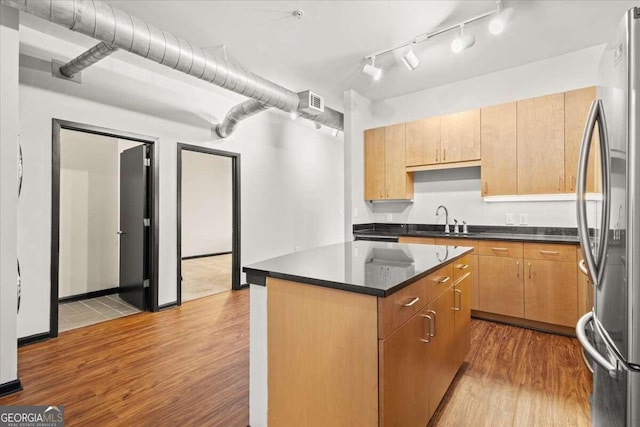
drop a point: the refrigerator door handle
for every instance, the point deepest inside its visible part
(596, 115)
(605, 364)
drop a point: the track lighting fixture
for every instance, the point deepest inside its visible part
(372, 70)
(463, 41)
(410, 60)
(335, 133)
(499, 21)
(317, 125)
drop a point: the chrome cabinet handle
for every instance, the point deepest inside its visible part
(549, 252)
(586, 344)
(517, 268)
(463, 266)
(529, 270)
(444, 280)
(583, 267)
(121, 232)
(459, 293)
(500, 249)
(437, 154)
(427, 340)
(432, 331)
(560, 184)
(572, 183)
(486, 187)
(413, 301)
(444, 154)
(596, 114)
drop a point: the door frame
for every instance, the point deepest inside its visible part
(235, 221)
(153, 198)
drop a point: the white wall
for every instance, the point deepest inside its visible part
(8, 192)
(206, 204)
(459, 189)
(292, 185)
(88, 213)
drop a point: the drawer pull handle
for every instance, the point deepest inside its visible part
(444, 280)
(549, 252)
(517, 268)
(583, 268)
(413, 301)
(432, 318)
(427, 340)
(529, 270)
(500, 249)
(459, 305)
(463, 266)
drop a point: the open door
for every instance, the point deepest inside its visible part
(134, 226)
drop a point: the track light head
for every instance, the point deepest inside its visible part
(372, 70)
(463, 41)
(500, 20)
(335, 133)
(317, 125)
(410, 60)
(293, 115)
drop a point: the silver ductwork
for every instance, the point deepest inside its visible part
(117, 29)
(240, 112)
(86, 59)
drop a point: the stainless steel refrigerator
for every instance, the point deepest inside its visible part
(610, 333)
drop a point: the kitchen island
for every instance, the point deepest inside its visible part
(358, 333)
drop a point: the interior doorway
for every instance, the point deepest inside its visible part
(104, 225)
(208, 222)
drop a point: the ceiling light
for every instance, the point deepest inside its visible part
(335, 133)
(293, 115)
(463, 41)
(372, 70)
(411, 60)
(499, 22)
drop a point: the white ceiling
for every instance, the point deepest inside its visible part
(324, 50)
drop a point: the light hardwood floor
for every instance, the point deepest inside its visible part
(190, 366)
(206, 276)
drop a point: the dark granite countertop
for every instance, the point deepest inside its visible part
(366, 267)
(391, 232)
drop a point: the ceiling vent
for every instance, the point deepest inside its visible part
(311, 103)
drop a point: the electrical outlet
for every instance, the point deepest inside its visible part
(524, 219)
(389, 217)
(509, 219)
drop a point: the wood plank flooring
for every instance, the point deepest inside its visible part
(190, 366)
(184, 366)
(206, 276)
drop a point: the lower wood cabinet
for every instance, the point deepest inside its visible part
(462, 295)
(551, 290)
(501, 285)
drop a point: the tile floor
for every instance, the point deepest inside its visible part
(72, 315)
(202, 277)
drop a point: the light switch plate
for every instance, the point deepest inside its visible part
(524, 219)
(509, 219)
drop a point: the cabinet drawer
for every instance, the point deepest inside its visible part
(397, 308)
(419, 240)
(550, 252)
(458, 242)
(439, 281)
(500, 248)
(461, 267)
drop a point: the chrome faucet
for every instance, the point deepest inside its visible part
(446, 217)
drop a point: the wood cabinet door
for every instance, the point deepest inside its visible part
(423, 141)
(499, 151)
(551, 292)
(404, 375)
(576, 109)
(540, 135)
(396, 176)
(501, 285)
(374, 164)
(462, 322)
(460, 136)
(442, 366)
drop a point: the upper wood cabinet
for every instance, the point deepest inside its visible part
(460, 136)
(385, 176)
(423, 142)
(540, 136)
(576, 109)
(499, 150)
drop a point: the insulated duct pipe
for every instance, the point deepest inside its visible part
(86, 59)
(118, 29)
(240, 112)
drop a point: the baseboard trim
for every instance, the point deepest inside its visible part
(524, 323)
(167, 305)
(32, 339)
(89, 295)
(205, 255)
(10, 387)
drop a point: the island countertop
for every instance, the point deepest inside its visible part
(366, 267)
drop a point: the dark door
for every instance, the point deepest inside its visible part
(133, 230)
